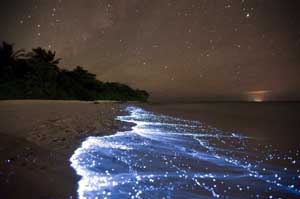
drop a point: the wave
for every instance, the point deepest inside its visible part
(168, 157)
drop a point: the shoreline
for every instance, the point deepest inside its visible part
(274, 122)
(38, 137)
(162, 155)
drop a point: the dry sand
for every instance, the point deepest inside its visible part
(37, 139)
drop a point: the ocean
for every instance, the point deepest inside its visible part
(180, 156)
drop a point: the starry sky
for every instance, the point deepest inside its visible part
(174, 49)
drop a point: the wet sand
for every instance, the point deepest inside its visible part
(39, 137)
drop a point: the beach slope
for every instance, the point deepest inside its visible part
(39, 136)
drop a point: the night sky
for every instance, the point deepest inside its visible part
(175, 49)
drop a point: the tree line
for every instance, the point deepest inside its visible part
(36, 75)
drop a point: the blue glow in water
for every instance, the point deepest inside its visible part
(167, 157)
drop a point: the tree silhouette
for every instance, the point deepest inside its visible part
(35, 75)
(40, 54)
(7, 54)
(8, 61)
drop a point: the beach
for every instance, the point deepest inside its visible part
(39, 136)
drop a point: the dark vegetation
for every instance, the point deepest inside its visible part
(36, 75)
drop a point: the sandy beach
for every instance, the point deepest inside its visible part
(39, 136)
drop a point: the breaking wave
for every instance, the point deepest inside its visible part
(168, 157)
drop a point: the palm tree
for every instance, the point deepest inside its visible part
(7, 54)
(8, 61)
(41, 54)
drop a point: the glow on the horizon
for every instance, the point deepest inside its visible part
(258, 96)
(258, 99)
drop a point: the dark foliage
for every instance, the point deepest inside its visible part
(35, 75)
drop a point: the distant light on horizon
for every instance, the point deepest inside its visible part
(258, 96)
(258, 99)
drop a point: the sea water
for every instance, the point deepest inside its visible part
(169, 157)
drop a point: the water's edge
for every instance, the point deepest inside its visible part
(167, 157)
